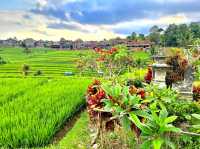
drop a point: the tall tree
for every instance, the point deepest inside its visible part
(195, 29)
(178, 35)
(141, 37)
(134, 36)
(184, 35)
(154, 29)
(170, 35)
(155, 34)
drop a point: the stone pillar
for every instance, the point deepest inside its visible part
(159, 74)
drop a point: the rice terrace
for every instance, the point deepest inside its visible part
(80, 74)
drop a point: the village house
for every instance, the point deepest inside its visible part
(48, 44)
(139, 44)
(116, 41)
(78, 44)
(40, 43)
(131, 44)
(11, 42)
(104, 44)
(29, 42)
(55, 45)
(66, 44)
(90, 44)
(1, 42)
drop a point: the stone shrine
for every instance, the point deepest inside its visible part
(185, 87)
(160, 69)
(159, 73)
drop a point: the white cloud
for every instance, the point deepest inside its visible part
(42, 3)
(138, 24)
(175, 1)
(23, 25)
(54, 3)
(70, 1)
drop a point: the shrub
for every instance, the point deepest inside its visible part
(25, 69)
(182, 108)
(2, 61)
(38, 73)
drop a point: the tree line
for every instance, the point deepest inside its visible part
(173, 36)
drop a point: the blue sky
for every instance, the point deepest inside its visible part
(91, 19)
(15, 5)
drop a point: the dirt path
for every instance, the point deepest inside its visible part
(68, 125)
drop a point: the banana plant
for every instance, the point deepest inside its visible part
(155, 129)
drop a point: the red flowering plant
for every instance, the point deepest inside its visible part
(149, 76)
(179, 63)
(121, 96)
(196, 91)
(115, 100)
(113, 61)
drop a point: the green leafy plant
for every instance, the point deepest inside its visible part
(156, 94)
(183, 109)
(156, 128)
(86, 63)
(197, 72)
(119, 100)
(196, 122)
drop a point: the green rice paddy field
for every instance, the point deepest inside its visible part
(51, 62)
(33, 110)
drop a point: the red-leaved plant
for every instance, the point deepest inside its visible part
(94, 96)
(196, 92)
(149, 76)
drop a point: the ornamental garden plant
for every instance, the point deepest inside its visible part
(109, 62)
(142, 111)
(150, 113)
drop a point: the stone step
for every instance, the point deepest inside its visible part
(186, 95)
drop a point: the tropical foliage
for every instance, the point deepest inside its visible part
(174, 35)
(141, 108)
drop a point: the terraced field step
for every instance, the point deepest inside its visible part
(50, 62)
